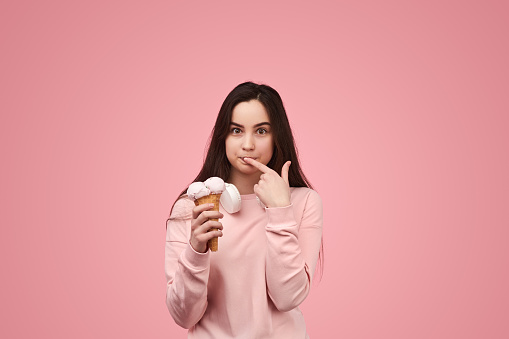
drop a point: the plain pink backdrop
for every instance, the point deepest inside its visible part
(400, 113)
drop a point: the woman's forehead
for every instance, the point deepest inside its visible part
(250, 114)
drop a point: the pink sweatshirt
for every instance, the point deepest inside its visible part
(252, 286)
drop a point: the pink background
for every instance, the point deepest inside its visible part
(400, 112)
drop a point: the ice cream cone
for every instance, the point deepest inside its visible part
(208, 199)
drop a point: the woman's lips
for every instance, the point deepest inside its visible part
(242, 158)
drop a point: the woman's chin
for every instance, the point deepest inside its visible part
(246, 169)
(249, 171)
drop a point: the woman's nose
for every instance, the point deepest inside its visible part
(248, 142)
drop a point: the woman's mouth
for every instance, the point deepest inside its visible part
(242, 158)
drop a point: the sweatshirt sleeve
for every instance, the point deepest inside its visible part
(292, 251)
(187, 271)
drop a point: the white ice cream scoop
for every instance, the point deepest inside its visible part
(197, 190)
(215, 185)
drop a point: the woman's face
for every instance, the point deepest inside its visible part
(250, 136)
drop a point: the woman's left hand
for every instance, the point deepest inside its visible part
(273, 190)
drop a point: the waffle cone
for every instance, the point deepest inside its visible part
(211, 199)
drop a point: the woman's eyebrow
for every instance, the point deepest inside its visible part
(257, 125)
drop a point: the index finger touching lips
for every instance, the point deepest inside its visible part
(257, 164)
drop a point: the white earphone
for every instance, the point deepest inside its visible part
(231, 200)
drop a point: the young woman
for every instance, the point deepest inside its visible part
(252, 286)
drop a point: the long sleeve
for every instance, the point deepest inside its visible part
(187, 271)
(292, 251)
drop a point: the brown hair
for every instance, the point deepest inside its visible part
(216, 163)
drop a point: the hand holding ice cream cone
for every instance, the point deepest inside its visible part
(205, 226)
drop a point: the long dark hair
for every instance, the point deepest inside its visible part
(216, 163)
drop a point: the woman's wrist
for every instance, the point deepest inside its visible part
(197, 248)
(280, 204)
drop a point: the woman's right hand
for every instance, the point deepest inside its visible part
(200, 225)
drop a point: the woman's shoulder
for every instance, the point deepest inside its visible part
(183, 208)
(307, 204)
(305, 194)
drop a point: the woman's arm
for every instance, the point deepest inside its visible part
(292, 252)
(187, 271)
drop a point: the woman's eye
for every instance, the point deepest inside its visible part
(236, 130)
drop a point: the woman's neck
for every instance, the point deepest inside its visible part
(245, 184)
